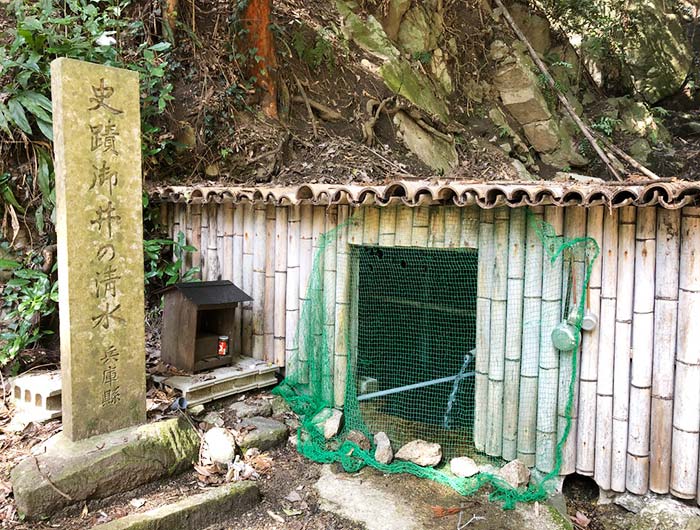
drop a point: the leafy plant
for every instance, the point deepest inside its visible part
(315, 52)
(161, 271)
(606, 125)
(29, 296)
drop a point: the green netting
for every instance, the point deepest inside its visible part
(448, 345)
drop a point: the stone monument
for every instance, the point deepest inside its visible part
(97, 134)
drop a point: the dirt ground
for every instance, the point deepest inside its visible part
(290, 499)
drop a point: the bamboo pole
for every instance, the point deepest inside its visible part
(586, 434)
(643, 353)
(227, 227)
(436, 230)
(606, 350)
(665, 322)
(238, 276)
(370, 229)
(175, 228)
(269, 302)
(329, 286)
(279, 320)
(453, 226)
(356, 226)
(258, 293)
(469, 235)
(419, 230)
(216, 241)
(514, 331)
(292, 297)
(404, 222)
(548, 377)
(574, 227)
(529, 364)
(164, 216)
(686, 409)
(248, 246)
(194, 230)
(220, 239)
(306, 256)
(204, 241)
(387, 226)
(342, 306)
(483, 327)
(623, 347)
(318, 228)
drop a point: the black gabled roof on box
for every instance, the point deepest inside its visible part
(211, 293)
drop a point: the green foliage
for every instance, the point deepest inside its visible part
(29, 296)
(423, 57)
(89, 30)
(315, 52)
(606, 125)
(161, 271)
(604, 24)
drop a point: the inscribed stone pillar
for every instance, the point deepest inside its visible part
(97, 134)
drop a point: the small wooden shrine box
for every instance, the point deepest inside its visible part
(195, 315)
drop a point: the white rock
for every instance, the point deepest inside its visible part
(383, 454)
(329, 421)
(515, 473)
(219, 445)
(421, 452)
(463, 467)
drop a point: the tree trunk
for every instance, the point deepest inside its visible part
(262, 64)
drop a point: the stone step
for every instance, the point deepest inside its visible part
(265, 433)
(38, 396)
(193, 513)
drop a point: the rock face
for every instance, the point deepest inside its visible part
(657, 54)
(360, 439)
(248, 409)
(383, 453)
(126, 459)
(420, 28)
(420, 452)
(266, 434)
(432, 150)
(219, 445)
(515, 473)
(329, 421)
(464, 467)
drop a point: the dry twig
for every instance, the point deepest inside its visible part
(308, 104)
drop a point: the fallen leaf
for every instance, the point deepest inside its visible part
(581, 520)
(293, 497)
(276, 517)
(292, 513)
(441, 511)
(84, 512)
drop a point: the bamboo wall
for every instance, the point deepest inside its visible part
(637, 404)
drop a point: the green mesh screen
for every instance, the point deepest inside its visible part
(449, 345)
(416, 317)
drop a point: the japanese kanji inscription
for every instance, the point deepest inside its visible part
(100, 246)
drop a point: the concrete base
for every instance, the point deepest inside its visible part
(244, 375)
(196, 512)
(69, 472)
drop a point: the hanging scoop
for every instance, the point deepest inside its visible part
(590, 319)
(566, 335)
